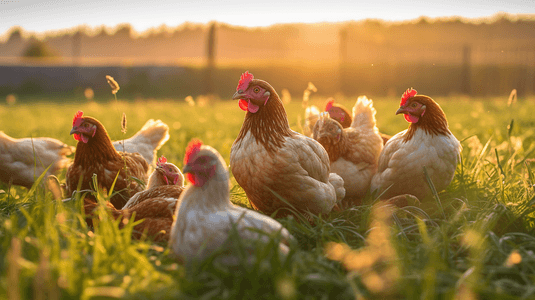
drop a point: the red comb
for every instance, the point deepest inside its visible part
(409, 93)
(161, 160)
(329, 105)
(193, 148)
(77, 118)
(244, 81)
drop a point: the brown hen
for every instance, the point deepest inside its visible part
(270, 161)
(165, 181)
(95, 154)
(427, 142)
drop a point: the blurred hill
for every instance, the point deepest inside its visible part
(369, 56)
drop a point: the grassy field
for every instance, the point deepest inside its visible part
(481, 246)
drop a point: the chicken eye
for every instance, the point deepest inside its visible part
(256, 90)
(413, 104)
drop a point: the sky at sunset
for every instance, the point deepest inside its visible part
(40, 16)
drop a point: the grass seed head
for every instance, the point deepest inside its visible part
(512, 98)
(123, 123)
(113, 84)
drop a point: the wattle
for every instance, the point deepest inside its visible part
(252, 107)
(246, 105)
(191, 178)
(175, 178)
(243, 104)
(410, 118)
(80, 137)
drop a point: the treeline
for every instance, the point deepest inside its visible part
(365, 41)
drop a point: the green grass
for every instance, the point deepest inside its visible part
(48, 252)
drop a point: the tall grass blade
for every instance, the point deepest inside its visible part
(434, 191)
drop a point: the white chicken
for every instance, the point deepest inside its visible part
(426, 143)
(205, 216)
(270, 161)
(24, 160)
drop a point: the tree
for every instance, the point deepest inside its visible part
(15, 35)
(39, 48)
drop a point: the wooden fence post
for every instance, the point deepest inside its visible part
(465, 70)
(76, 53)
(210, 57)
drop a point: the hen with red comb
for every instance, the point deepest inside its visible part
(205, 217)
(269, 160)
(95, 154)
(427, 142)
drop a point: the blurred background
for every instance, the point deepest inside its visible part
(474, 56)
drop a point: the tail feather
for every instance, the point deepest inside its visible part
(338, 184)
(363, 113)
(155, 132)
(149, 139)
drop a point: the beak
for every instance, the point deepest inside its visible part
(160, 169)
(401, 110)
(186, 169)
(73, 130)
(238, 95)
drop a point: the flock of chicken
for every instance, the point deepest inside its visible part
(281, 171)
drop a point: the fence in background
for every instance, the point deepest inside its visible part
(374, 68)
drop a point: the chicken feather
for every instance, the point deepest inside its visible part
(149, 139)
